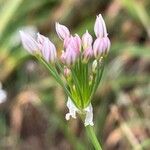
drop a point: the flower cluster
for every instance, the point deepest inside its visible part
(81, 64)
(42, 46)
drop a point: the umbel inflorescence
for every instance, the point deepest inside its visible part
(79, 68)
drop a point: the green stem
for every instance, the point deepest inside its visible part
(93, 138)
(77, 85)
(55, 74)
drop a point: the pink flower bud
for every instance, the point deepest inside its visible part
(100, 27)
(29, 43)
(87, 54)
(75, 43)
(67, 72)
(101, 47)
(69, 56)
(48, 50)
(62, 57)
(66, 42)
(78, 42)
(87, 40)
(62, 31)
(40, 39)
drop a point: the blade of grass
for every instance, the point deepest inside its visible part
(11, 7)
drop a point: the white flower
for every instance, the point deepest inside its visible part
(73, 110)
(3, 95)
(89, 115)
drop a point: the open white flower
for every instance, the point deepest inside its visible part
(89, 115)
(73, 110)
(3, 95)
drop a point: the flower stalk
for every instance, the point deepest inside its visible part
(93, 138)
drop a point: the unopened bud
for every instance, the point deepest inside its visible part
(87, 40)
(62, 31)
(29, 43)
(94, 66)
(100, 27)
(101, 47)
(69, 56)
(87, 54)
(49, 51)
(67, 72)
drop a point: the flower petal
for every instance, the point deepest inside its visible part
(69, 56)
(87, 40)
(72, 109)
(62, 31)
(49, 51)
(100, 27)
(28, 42)
(89, 115)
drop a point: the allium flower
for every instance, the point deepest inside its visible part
(102, 43)
(49, 51)
(100, 27)
(67, 72)
(101, 47)
(87, 54)
(89, 115)
(40, 39)
(29, 43)
(79, 65)
(66, 42)
(69, 56)
(73, 110)
(42, 46)
(74, 42)
(87, 40)
(62, 31)
(77, 43)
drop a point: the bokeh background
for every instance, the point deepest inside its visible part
(32, 117)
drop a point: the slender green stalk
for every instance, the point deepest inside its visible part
(55, 74)
(78, 89)
(93, 138)
(11, 7)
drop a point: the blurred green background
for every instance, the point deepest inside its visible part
(33, 115)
